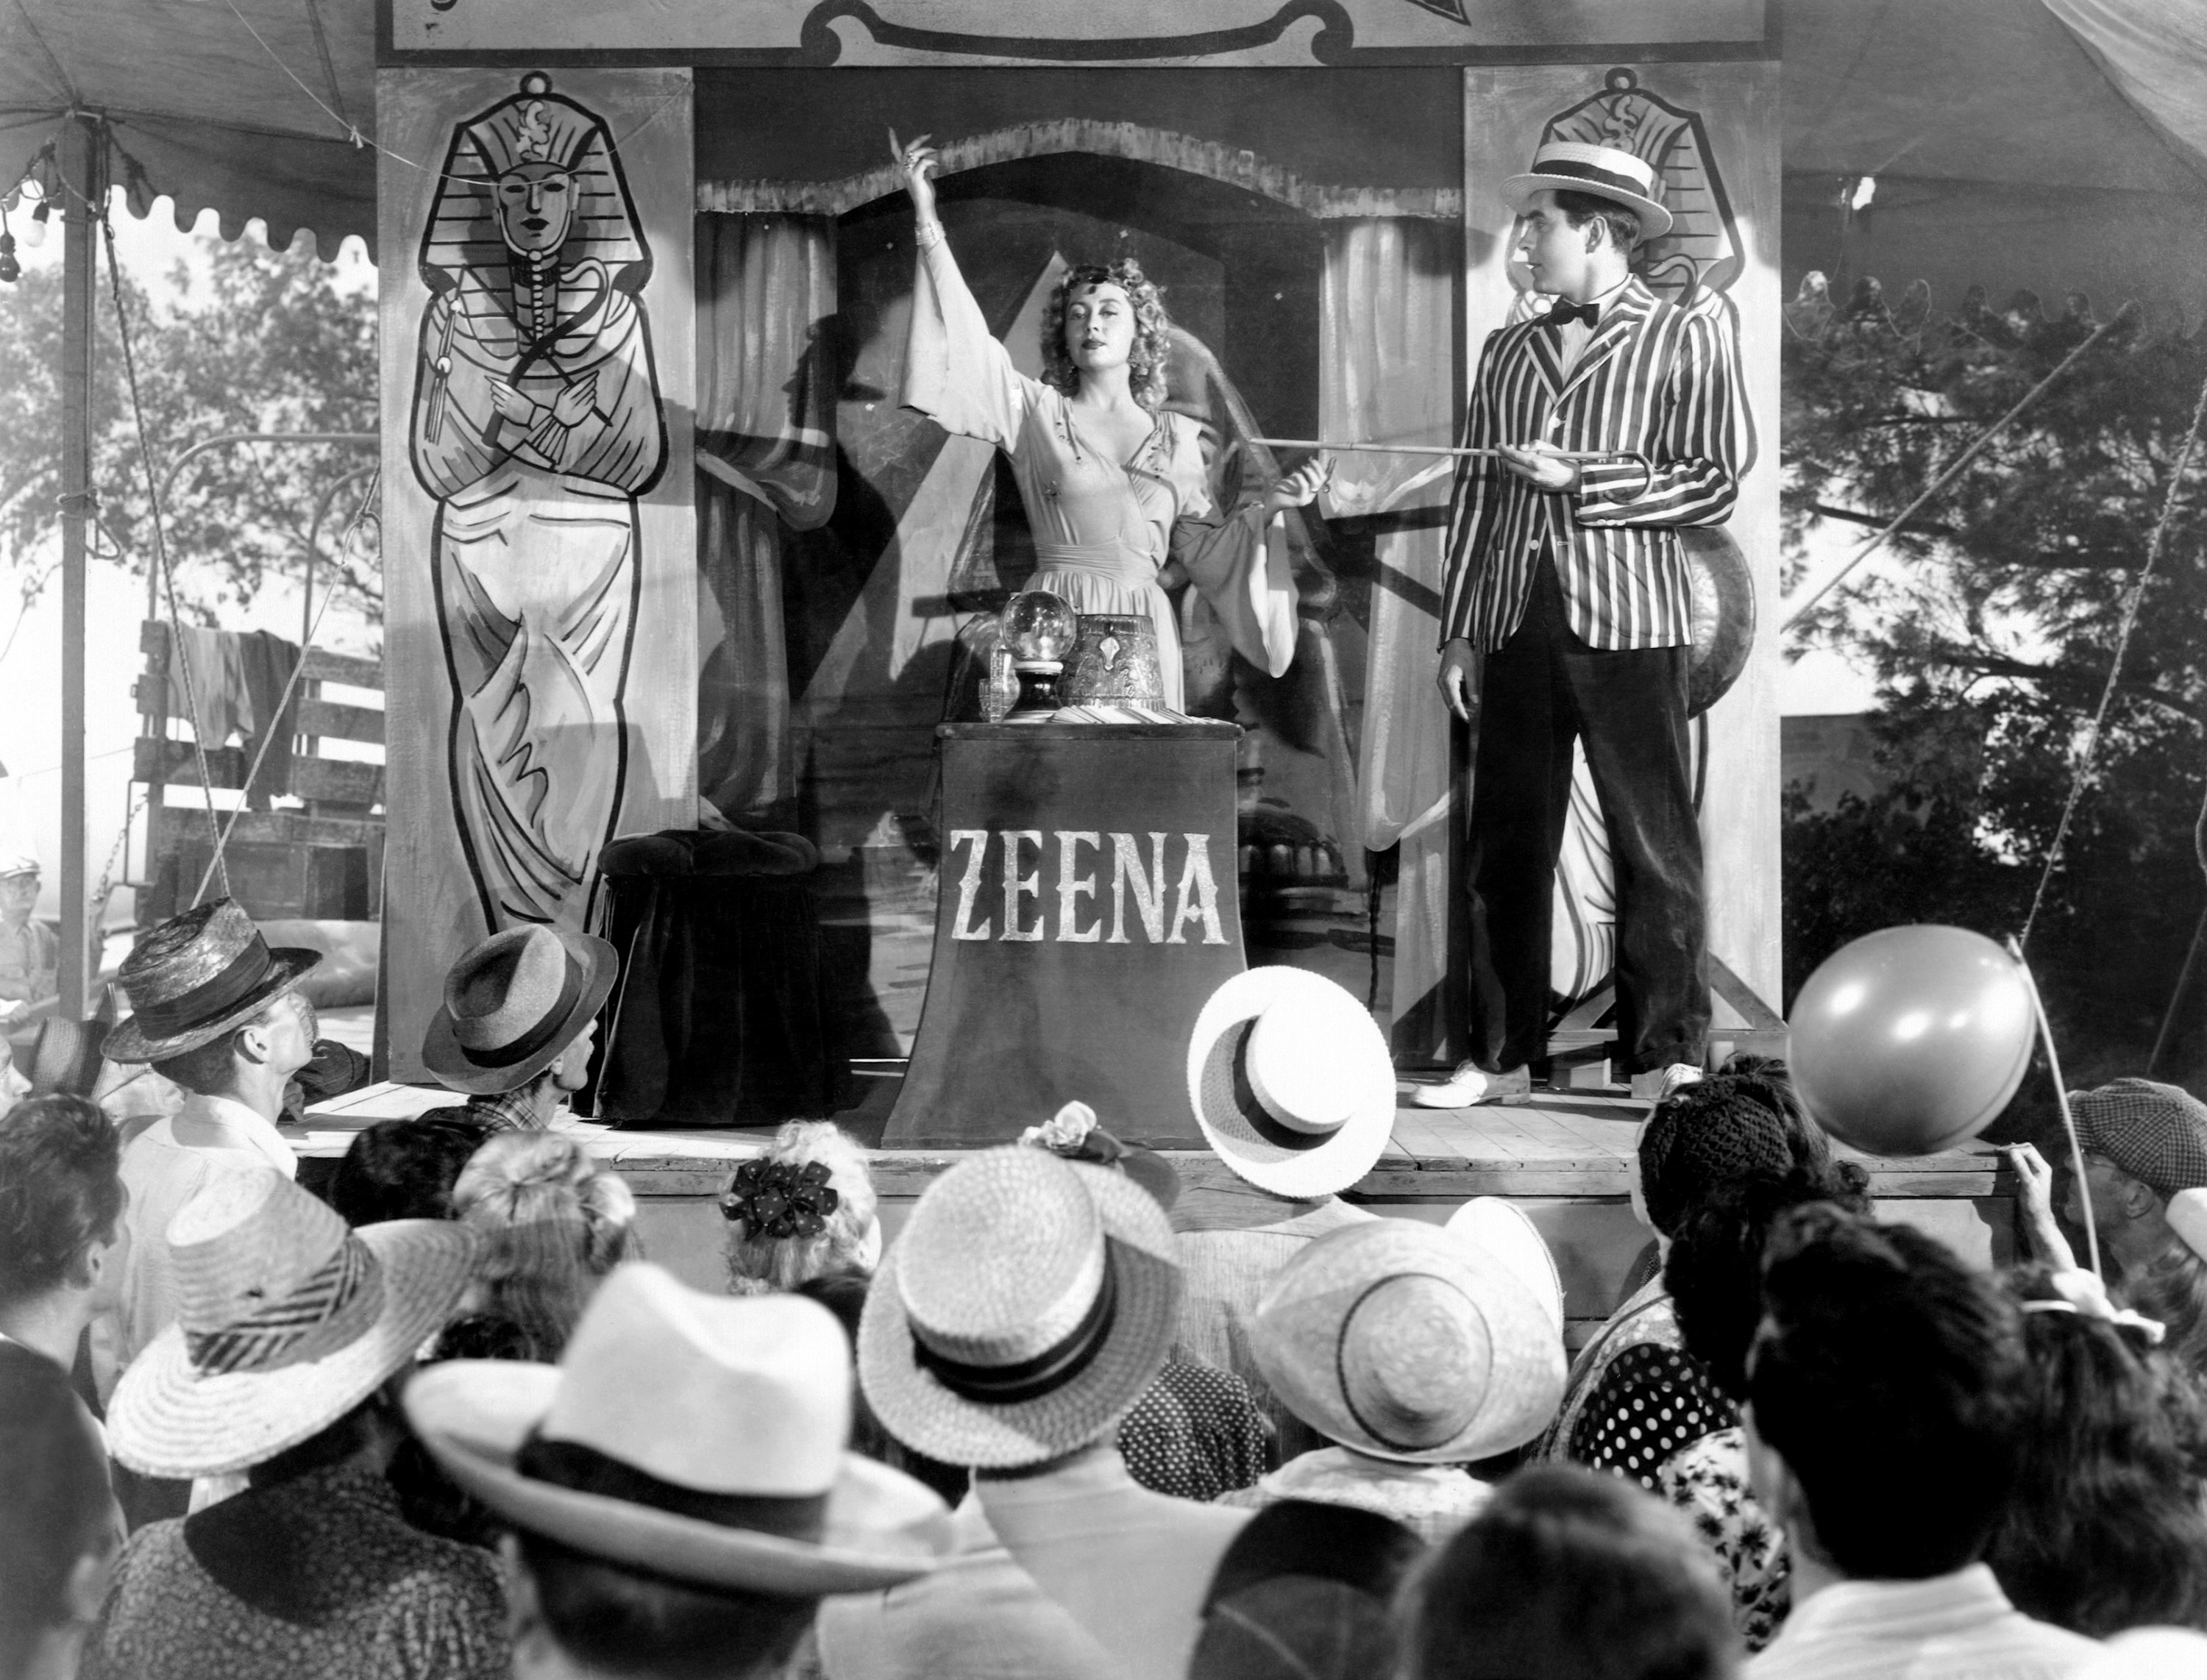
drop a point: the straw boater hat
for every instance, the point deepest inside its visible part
(708, 1432)
(1291, 1082)
(1029, 1303)
(1405, 1341)
(286, 1320)
(14, 863)
(513, 1003)
(221, 976)
(1568, 166)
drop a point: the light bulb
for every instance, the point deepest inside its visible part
(35, 234)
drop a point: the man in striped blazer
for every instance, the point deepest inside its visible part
(1568, 603)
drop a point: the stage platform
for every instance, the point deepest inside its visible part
(1565, 1157)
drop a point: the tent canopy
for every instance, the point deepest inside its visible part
(212, 115)
(2053, 143)
(2057, 145)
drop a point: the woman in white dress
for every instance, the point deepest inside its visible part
(1113, 485)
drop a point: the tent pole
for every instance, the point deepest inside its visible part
(81, 142)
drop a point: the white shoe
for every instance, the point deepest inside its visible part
(1657, 1083)
(1471, 1083)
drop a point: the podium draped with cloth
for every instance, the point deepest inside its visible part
(1088, 904)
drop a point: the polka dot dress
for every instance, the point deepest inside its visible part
(1651, 1401)
(1196, 1434)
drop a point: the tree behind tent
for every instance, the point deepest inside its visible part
(263, 341)
(1991, 636)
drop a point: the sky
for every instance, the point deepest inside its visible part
(30, 666)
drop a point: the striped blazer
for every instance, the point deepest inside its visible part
(1652, 377)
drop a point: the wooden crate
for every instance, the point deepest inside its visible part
(322, 858)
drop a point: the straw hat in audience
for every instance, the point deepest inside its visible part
(286, 1321)
(697, 1438)
(1405, 1341)
(1502, 1230)
(1028, 1304)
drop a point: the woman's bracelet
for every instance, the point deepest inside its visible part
(930, 235)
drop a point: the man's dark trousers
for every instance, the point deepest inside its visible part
(1538, 693)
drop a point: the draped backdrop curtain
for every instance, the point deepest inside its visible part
(766, 461)
(1387, 337)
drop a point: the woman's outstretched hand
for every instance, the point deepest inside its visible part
(1299, 487)
(917, 161)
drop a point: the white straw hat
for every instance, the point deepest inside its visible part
(1502, 1230)
(286, 1321)
(1291, 1082)
(1028, 1304)
(696, 1436)
(1570, 166)
(1400, 1341)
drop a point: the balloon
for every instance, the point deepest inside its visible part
(1911, 1039)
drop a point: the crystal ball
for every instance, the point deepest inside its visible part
(1039, 626)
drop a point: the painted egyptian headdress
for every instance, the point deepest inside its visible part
(535, 126)
(1700, 254)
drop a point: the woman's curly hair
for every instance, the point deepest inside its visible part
(1146, 361)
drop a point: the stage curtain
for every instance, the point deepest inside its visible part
(1387, 335)
(766, 461)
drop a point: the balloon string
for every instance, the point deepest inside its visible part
(2061, 1096)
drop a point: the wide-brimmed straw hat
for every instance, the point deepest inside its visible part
(513, 1003)
(1291, 1082)
(1503, 1231)
(196, 976)
(1028, 1304)
(286, 1320)
(695, 1437)
(1401, 1341)
(1570, 166)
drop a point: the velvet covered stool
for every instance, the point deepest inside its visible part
(719, 1018)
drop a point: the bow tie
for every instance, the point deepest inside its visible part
(1562, 312)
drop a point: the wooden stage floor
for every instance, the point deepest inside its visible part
(1564, 1158)
(1552, 1143)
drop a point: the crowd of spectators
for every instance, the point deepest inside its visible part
(1067, 1416)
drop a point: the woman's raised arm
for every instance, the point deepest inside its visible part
(955, 371)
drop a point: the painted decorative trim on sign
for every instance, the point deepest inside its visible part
(818, 33)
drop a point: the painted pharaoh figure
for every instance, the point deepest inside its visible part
(536, 424)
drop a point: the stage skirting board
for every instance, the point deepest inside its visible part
(1566, 1160)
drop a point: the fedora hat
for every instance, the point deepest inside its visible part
(195, 977)
(696, 1436)
(1607, 172)
(1291, 1082)
(286, 1320)
(1028, 1304)
(1502, 1228)
(1400, 1341)
(513, 1003)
